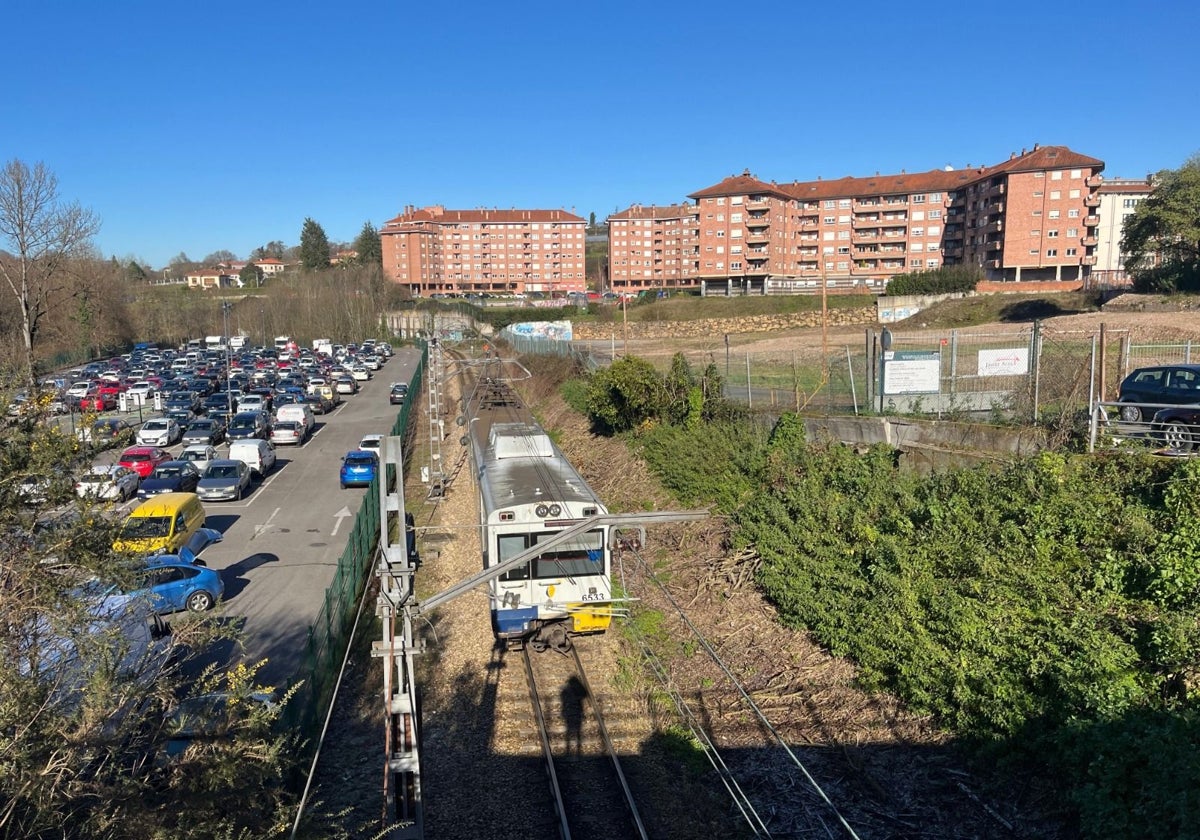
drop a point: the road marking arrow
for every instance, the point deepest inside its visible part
(339, 516)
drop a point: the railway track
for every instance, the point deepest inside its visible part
(592, 798)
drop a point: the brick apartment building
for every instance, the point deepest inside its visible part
(435, 251)
(1032, 217)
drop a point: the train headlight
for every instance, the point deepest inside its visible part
(555, 510)
(542, 511)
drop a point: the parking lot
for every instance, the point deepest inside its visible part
(282, 540)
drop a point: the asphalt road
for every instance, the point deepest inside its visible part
(282, 541)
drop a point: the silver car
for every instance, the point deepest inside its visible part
(224, 480)
(159, 431)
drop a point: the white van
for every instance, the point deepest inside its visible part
(298, 413)
(258, 455)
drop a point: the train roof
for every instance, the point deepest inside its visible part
(521, 465)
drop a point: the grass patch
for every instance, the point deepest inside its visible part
(989, 309)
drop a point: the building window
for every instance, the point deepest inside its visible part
(914, 263)
(1037, 232)
(935, 197)
(1072, 214)
(1076, 173)
(931, 263)
(830, 204)
(1055, 195)
(843, 220)
(844, 204)
(918, 199)
(1037, 212)
(1039, 174)
(1129, 202)
(735, 266)
(935, 214)
(1071, 252)
(1056, 175)
(1072, 232)
(1051, 252)
(1033, 252)
(1073, 194)
(1038, 193)
(830, 220)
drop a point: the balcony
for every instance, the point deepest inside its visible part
(758, 221)
(952, 252)
(1091, 201)
(1091, 221)
(1090, 241)
(872, 221)
(757, 254)
(994, 227)
(994, 245)
(992, 263)
(865, 236)
(867, 205)
(996, 207)
(1094, 181)
(994, 190)
(758, 204)
(895, 220)
(758, 238)
(1087, 260)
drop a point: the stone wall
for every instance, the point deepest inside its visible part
(592, 331)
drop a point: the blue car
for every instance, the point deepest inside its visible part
(359, 468)
(178, 582)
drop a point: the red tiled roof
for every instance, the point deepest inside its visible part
(904, 183)
(744, 184)
(440, 215)
(1042, 157)
(642, 211)
(1045, 157)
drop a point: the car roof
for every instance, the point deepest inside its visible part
(362, 453)
(224, 462)
(141, 450)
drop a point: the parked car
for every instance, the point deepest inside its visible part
(359, 468)
(189, 400)
(143, 459)
(252, 402)
(178, 582)
(371, 443)
(1164, 384)
(208, 430)
(249, 424)
(170, 477)
(317, 402)
(106, 432)
(199, 455)
(224, 479)
(97, 400)
(398, 393)
(360, 373)
(346, 385)
(219, 402)
(258, 455)
(159, 431)
(1177, 428)
(288, 432)
(110, 482)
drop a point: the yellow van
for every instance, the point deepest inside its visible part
(162, 524)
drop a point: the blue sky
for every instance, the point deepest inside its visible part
(197, 127)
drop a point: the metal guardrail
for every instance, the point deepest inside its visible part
(1107, 423)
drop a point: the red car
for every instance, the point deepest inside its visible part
(97, 400)
(143, 459)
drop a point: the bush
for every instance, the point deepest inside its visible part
(939, 281)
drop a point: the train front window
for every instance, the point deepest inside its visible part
(584, 555)
(508, 547)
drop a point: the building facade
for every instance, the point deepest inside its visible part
(435, 251)
(1118, 199)
(653, 248)
(1032, 217)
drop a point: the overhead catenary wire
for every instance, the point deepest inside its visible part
(768, 726)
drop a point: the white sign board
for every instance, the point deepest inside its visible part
(912, 372)
(1014, 362)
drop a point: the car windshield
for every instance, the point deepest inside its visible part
(187, 455)
(154, 425)
(135, 457)
(359, 461)
(167, 472)
(287, 426)
(138, 527)
(222, 471)
(201, 426)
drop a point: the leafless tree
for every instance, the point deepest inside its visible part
(40, 233)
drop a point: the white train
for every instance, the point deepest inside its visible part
(528, 492)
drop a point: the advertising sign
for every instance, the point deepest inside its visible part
(1014, 362)
(912, 372)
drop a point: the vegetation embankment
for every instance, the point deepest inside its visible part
(1047, 611)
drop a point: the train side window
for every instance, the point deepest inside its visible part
(509, 546)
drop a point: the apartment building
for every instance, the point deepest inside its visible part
(1118, 198)
(1032, 217)
(433, 250)
(653, 247)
